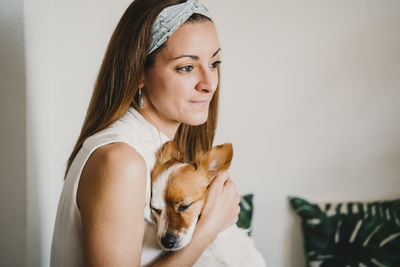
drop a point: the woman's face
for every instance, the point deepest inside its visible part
(182, 81)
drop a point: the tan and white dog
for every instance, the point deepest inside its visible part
(179, 192)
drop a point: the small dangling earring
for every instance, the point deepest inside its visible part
(140, 99)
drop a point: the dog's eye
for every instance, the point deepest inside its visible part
(157, 211)
(184, 207)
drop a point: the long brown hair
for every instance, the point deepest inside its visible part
(118, 80)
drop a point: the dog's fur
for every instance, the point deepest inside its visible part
(179, 192)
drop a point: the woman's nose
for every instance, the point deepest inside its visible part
(208, 80)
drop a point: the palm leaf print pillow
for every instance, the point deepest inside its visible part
(351, 233)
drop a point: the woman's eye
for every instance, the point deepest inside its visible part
(215, 64)
(186, 68)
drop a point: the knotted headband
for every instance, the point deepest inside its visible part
(171, 18)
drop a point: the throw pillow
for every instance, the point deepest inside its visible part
(246, 213)
(351, 233)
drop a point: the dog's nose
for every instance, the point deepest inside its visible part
(168, 240)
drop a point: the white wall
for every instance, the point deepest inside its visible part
(310, 100)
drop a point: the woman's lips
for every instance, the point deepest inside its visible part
(200, 103)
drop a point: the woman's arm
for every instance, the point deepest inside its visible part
(111, 197)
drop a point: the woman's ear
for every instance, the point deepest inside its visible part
(141, 82)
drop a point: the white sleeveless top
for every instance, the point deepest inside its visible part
(133, 129)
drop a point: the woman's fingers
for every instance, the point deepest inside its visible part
(237, 199)
(217, 185)
(220, 179)
(222, 205)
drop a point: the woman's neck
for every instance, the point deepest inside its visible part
(160, 122)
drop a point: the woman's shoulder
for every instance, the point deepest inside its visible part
(117, 158)
(112, 169)
(119, 154)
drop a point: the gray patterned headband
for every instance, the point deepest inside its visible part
(171, 18)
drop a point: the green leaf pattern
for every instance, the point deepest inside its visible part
(350, 234)
(246, 213)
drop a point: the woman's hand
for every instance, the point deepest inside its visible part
(222, 206)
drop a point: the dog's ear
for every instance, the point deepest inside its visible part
(217, 160)
(169, 151)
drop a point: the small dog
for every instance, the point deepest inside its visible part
(179, 192)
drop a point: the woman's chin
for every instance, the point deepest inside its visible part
(196, 119)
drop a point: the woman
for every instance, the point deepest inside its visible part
(158, 81)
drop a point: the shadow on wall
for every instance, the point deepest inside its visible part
(13, 138)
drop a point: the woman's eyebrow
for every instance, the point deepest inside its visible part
(195, 57)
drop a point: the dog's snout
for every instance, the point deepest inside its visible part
(168, 240)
